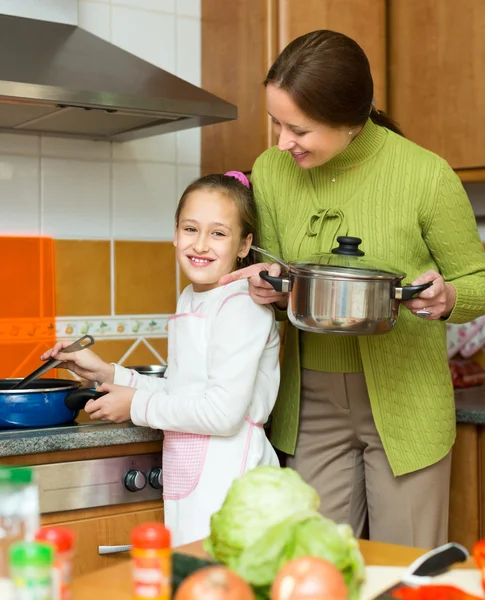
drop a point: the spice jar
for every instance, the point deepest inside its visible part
(19, 516)
(151, 561)
(31, 566)
(62, 539)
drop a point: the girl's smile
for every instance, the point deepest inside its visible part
(208, 238)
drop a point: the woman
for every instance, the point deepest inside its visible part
(369, 421)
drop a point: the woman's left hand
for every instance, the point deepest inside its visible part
(115, 406)
(438, 300)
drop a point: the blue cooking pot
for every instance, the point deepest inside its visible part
(45, 403)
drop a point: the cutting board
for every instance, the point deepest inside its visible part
(379, 579)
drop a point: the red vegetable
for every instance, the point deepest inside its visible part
(309, 578)
(433, 592)
(214, 583)
(478, 552)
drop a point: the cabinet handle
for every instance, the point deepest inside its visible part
(113, 549)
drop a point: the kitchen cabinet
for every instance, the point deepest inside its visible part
(238, 47)
(436, 77)
(467, 494)
(363, 22)
(107, 526)
(95, 524)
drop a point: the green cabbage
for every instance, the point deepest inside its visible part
(259, 499)
(269, 517)
(302, 534)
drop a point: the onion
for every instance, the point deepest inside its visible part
(309, 578)
(214, 583)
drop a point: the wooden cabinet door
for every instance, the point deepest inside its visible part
(365, 22)
(437, 77)
(465, 493)
(238, 47)
(108, 526)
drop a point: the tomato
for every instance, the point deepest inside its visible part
(214, 583)
(309, 578)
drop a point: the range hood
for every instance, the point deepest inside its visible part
(58, 79)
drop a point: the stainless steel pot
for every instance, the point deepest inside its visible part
(343, 292)
(155, 370)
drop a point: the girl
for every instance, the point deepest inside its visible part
(223, 369)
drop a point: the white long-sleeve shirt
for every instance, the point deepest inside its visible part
(219, 388)
(242, 368)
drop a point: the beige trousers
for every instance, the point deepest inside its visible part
(340, 454)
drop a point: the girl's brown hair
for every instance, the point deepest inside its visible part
(236, 191)
(328, 76)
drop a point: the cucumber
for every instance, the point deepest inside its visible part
(184, 565)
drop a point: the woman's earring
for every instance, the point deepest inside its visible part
(239, 259)
(351, 133)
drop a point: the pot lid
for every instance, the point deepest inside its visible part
(347, 260)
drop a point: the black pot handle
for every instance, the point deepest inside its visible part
(78, 399)
(280, 284)
(407, 292)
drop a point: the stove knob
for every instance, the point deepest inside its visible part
(135, 480)
(155, 478)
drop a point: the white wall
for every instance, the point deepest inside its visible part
(78, 189)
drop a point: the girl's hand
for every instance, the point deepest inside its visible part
(438, 300)
(260, 291)
(84, 363)
(115, 406)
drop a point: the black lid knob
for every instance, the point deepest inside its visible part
(348, 246)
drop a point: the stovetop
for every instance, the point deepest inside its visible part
(64, 428)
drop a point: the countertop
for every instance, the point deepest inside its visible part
(16, 442)
(470, 405)
(115, 583)
(470, 408)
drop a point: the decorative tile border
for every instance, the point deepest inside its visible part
(14, 331)
(119, 327)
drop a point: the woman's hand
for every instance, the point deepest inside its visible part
(115, 406)
(438, 300)
(84, 363)
(260, 291)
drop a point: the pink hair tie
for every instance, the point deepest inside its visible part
(239, 176)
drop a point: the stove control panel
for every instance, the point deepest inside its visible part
(135, 480)
(155, 478)
(99, 482)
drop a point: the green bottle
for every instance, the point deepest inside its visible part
(31, 570)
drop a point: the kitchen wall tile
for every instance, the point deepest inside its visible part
(188, 50)
(149, 35)
(18, 143)
(27, 284)
(76, 198)
(95, 17)
(185, 176)
(158, 148)
(18, 360)
(83, 280)
(144, 278)
(19, 195)
(167, 6)
(189, 8)
(113, 350)
(188, 146)
(70, 148)
(145, 198)
(141, 355)
(160, 345)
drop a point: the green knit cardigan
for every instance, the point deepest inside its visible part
(411, 210)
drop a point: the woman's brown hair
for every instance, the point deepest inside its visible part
(236, 191)
(327, 74)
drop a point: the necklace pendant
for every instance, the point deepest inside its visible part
(333, 179)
